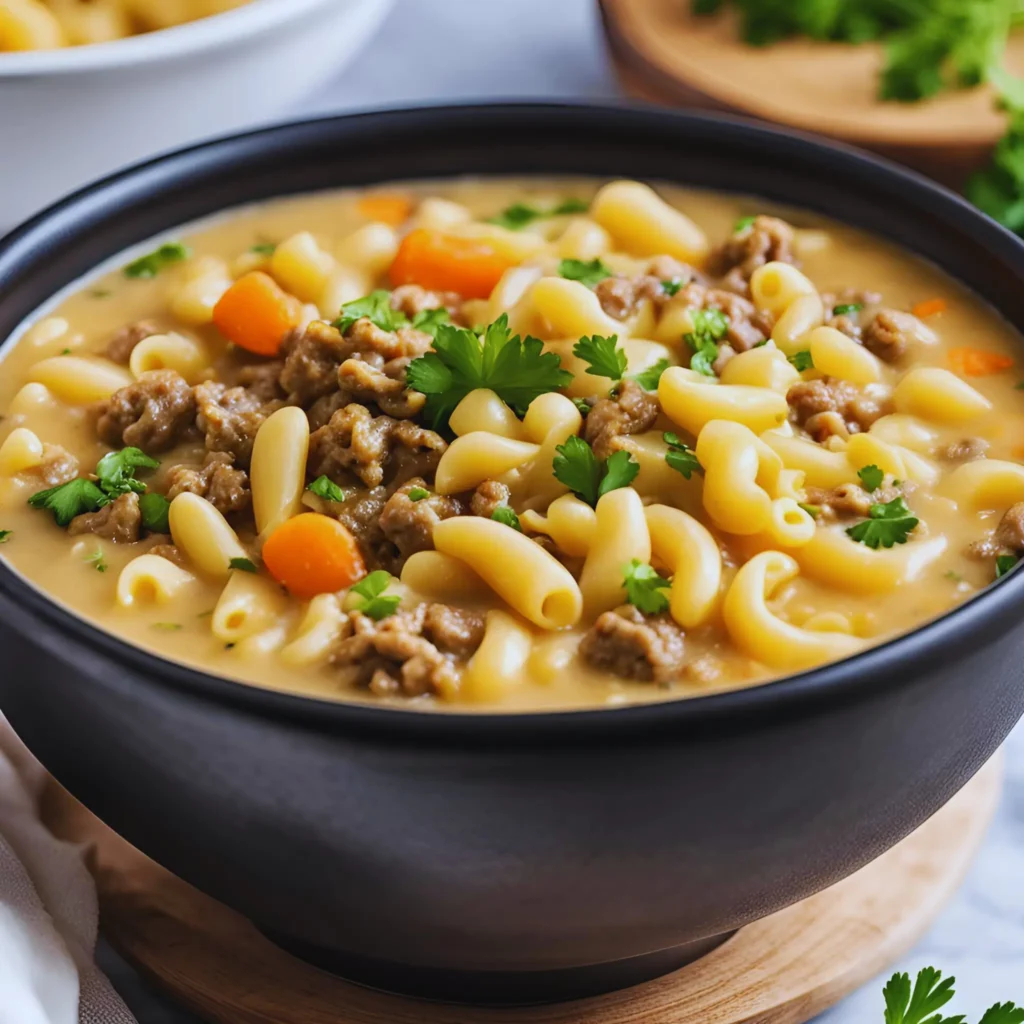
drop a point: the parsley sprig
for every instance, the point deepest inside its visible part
(1004, 563)
(324, 487)
(373, 601)
(871, 478)
(921, 1003)
(377, 308)
(681, 457)
(802, 360)
(645, 588)
(650, 378)
(589, 477)
(519, 215)
(603, 356)
(152, 263)
(516, 369)
(709, 327)
(588, 272)
(885, 526)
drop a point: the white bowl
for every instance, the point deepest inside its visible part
(68, 116)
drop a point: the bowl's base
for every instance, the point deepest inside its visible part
(786, 968)
(500, 988)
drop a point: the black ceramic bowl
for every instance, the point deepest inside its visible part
(523, 856)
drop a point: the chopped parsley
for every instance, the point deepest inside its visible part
(516, 370)
(324, 487)
(650, 378)
(845, 308)
(115, 472)
(65, 351)
(168, 627)
(587, 476)
(5, 536)
(69, 500)
(155, 509)
(377, 308)
(887, 525)
(418, 493)
(507, 517)
(603, 356)
(673, 286)
(802, 360)
(152, 263)
(921, 1004)
(100, 293)
(1004, 563)
(680, 456)
(871, 478)
(97, 561)
(588, 272)
(709, 327)
(518, 215)
(243, 565)
(645, 588)
(582, 405)
(429, 320)
(374, 602)
(263, 248)
(742, 224)
(812, 510)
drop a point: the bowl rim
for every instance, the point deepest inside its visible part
(882, 667)
(194, 37)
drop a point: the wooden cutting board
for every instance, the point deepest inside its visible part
(665, 54)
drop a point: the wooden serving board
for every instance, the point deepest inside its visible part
(665, 54)
(782, 970)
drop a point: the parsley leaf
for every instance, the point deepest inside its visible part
(812, 510)
(155, 509)
(802, 360)
(888, 524)
(324, 487)
(846, 308)
(871, 478)
(930, 993)
(263, 248)
(673, 286)
(152, 263)
(242, 564)
(709, 327)
(681, 457)
(1003, 1013)
(603, 356)
(576, 466)
(5, 536)
(518, 215)
(571, 205)
(418, 493)
(69, 500)
(376, 307)
(507, 516)
(644, 588)
(374, 602)
(1004, 563)
(588, 272)
(115, 472)
(97, 561)
(516, 370)
(650, 378)
(429, 320)
(742, 224)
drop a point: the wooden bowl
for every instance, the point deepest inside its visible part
(665, 54)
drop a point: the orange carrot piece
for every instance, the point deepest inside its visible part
(390, 207)
(976, 362)
(930, 307)
(256, 314)
(313, 554)
(448, 263)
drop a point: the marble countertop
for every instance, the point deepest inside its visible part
(444, 50)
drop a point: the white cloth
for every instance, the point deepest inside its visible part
(48, 911)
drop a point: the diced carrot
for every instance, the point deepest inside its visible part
(313, 554)
(256, 314)
(976, 362)
(930, 307)
(388, 207)
(448, 263)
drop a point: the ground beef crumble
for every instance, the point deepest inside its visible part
(154, 413)
(850, 500)
(409, 524)
(634, 646)
(122, 344)
(829, 406)
(411, 299)
(631, 411)
(620, 297)
(411, 653)
(1007, 538)
(363, 383)
(748, 326)
(225, 487)
(230, 418)
(765, 240)
(488, 498)
(970, 449)
(58, 466)
(120, 521)
(891, 333)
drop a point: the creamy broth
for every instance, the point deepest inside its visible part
(822, 601)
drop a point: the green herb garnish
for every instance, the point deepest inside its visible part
(5, 536)
(324, 487)
(812, 510)
(417, 493)
(603, 356)
(155, 509)
(168, 627)
(263, 248)
(588, 272)
(847, 307)
(374, 602)
(516, 370)
(709, 327)
(650, 378)
(887, 525)
(587, 476)
(243, 565)
(69, 500)
(921, 1004)
(802, 360)
(871, 478)
(681, 457)
(507, 517)
(97, 561)
(1004, 563)
(672, 287)
(518, 215)
(644, 588)
(952, 574)
(742, 224)
(376, 307)
(115, 472)
(152, 263)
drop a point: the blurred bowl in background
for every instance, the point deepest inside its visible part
(68, 116)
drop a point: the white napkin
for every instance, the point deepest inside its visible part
(48, 911)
